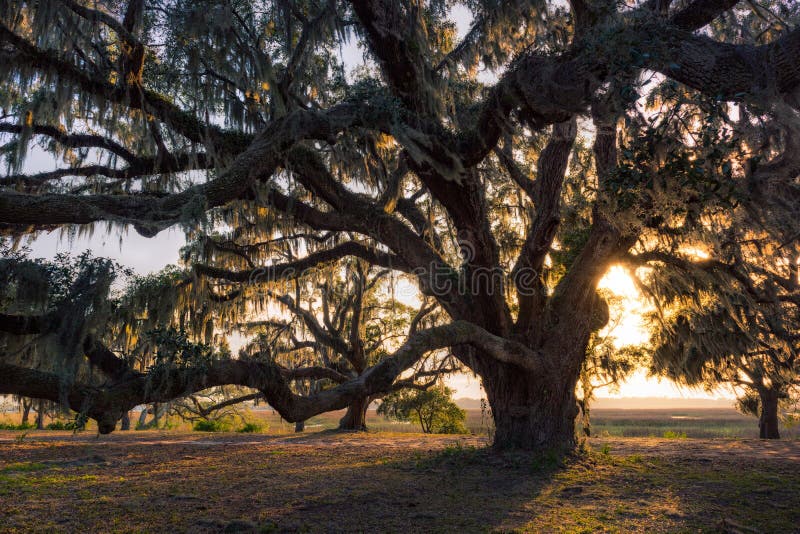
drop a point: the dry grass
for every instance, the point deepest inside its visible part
(324, 482)
(694, 423)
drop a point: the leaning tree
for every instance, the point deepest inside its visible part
(244, 115)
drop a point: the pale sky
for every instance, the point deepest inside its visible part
(146, 255)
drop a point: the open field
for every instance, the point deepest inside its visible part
(694, 423)
(688, 422)
(691, 422)
(327, 482)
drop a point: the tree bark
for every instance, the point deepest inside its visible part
(531, 411)
(126, 421)
(142, 418)
(299, 426)
(26, 410)
(40, 415)
(768, 421)
(355, 419)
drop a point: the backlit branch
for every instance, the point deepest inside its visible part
(107, 403)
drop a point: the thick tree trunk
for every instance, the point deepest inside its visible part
(300, 426)
(768, 422)
(26, 410)
(142, 418)
(40, 416)
(156, 415)
(126, 421)
(530, 411)
(355, 418)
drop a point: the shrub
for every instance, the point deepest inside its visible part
(206, 425)
(669, 434)
(250, 427)
(62, 425)
(433, 409)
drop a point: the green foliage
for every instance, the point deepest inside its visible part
(12, 426)
(24, 467)
(249, 428)
(63, 425)
(669, 434)
(176, 350)
(749, 403)
(433, 409)
(210, 425)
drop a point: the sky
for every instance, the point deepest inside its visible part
(146, 255)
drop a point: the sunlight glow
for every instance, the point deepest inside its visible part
(628, 328)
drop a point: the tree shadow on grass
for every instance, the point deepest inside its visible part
(468, 489)
(457, 489)
(327, 485)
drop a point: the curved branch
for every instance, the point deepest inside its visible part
(73, 140)
(296, 268)
(151, 214)
(107, 403)
(26, 55)
(701, 12)
(95, 15)
(546, 195)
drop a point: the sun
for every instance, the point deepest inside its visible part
(627, 325)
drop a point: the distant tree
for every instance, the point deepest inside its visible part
(25, 404)
(341, 322)
(433, 409)
(731, 316)
(216, 404)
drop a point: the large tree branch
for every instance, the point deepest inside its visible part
(546, 192)
(73, 140)
(141, 168)
(152, 214)
(26, 55)
(109, 363)
(95, 15)
(701, 12)
(107, 403)
(576, 293)
(293, 269)
(397, 40)
(549, 89)
(732, 72)
(414, 254)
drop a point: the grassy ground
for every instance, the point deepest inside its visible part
(329, 482)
